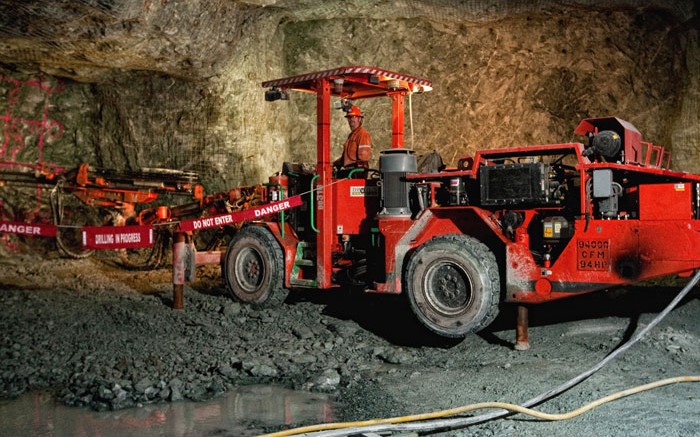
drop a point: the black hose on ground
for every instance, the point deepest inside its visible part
(447, 424)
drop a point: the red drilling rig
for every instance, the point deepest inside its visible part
(521, 225)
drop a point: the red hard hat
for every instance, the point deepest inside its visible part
(354, 112)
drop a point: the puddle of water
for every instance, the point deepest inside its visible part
(239, 413)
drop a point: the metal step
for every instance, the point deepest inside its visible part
(299, 262)
(304, 262)
(303, 282)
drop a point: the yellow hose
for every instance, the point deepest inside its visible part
(483, 405)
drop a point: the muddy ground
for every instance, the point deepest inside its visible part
(97, 335)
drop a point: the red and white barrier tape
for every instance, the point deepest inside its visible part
(132, 237)
(240, 216)
(31, 229)
(117, 237)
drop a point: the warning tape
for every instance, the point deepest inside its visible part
(117, 237)
(133, 237)
(32, 229)
(239, 216)
(139, 236)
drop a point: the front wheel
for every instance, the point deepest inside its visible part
(253, 267)
(453, 285)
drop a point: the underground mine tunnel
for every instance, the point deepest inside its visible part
(242, 217)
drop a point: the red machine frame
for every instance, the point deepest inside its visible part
(351, 83)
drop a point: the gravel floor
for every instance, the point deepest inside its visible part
(96, 335)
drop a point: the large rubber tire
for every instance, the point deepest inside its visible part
(453, 285)
(253, 267)
(148, 258)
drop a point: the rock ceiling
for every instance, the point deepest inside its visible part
(195, 39)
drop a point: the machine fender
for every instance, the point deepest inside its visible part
(435, 222)
(288, 241)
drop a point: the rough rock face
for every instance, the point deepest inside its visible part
(177, 83)
(87, 40)
(518, 80)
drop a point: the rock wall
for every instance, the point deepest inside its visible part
(685, 137)
(177, 83)
(518, 80)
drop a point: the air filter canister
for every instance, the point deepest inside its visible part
(394, 164)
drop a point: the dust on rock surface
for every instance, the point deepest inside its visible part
(97, 335)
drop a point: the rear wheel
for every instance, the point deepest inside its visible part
(70, 214)
(148, 258)
(253, 267)
(453, 285)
